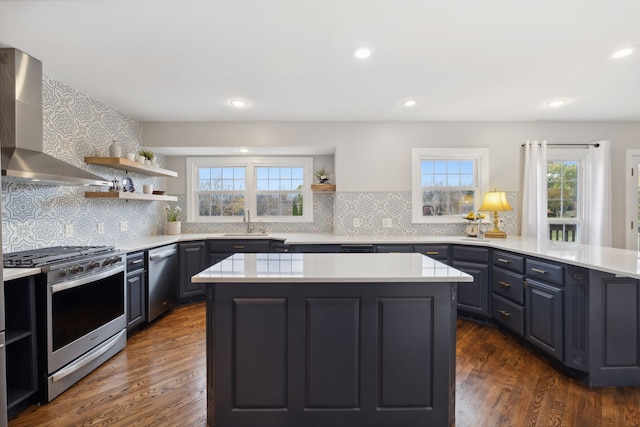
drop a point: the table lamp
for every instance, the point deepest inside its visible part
(495, 201)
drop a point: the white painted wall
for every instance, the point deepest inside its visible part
(375, 156)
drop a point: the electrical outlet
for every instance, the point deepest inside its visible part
(68, 230)
(357, 222)
(500, 224)
(124, 226)
(387, 222)
(100, 228)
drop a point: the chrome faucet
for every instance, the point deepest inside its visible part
(247, 219)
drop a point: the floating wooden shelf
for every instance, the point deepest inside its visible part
(130, 166)
(323, 187)
(128, 196)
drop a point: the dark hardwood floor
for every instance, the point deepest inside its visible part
(159, 380)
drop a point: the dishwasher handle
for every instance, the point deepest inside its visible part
(163, 254)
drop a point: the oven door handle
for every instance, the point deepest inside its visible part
(88, 358)
(86, 279)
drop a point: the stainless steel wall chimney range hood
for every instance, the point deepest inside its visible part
(23, 158)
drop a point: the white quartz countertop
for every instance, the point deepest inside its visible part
(616, 261)
(330, 268)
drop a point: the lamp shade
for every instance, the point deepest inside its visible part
(495, 201)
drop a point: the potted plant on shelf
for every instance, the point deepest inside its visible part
(322, 175)
(147, 155)
(174, 224)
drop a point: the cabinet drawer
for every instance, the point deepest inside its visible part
(465, 253)
(394, 248)
(545, 271)
(135, 261)
(439, 252)
(232, 246)
(509, 261)
(508, 314)
(508, 284)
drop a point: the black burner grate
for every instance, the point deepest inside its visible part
(44, 256)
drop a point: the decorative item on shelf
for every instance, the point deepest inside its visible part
(322, 175)
(495, 201)
(114, 149)
(173, 215)
(147, 155)
(474, 229)
(115, 186)
(147, 188)
(127, 184)
(130, 156)
(323, 178)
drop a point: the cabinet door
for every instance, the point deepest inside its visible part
(136, 284)
(473, 296)
(193, 260)
(544, 317)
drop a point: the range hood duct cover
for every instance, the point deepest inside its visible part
(23, 157)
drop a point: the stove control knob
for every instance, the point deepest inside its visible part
(77, 268)
(117, 258)
(64, 271)
(94, 264)
(107, 261)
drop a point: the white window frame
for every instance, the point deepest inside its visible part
(481, 157)
(579, 155)
(250, 163)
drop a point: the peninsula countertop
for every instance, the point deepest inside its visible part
(330, 268)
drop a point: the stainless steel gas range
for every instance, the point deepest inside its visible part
(80, 310)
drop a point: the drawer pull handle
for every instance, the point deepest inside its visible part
(506, 261)
(505, 284)
(537, 270)
(138, 261)
(238, 247)
(433, 252)
(505, 313)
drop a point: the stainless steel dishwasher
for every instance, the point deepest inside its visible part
(163, 280)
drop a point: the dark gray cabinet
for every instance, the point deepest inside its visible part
(473, 297)
(221, 249)
(309, 354)
(544, 309)
(192, 258)
(20, 343)
(507, 290)
(439, 252)
(311, 248)
(136, 291)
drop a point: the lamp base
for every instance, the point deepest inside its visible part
(496, 234)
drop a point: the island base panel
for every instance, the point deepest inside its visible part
(342, 354)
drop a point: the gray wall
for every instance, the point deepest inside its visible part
(375, 156)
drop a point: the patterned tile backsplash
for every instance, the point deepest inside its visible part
(76, 126)
(372, 207)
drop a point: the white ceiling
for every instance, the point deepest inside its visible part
(183, 60)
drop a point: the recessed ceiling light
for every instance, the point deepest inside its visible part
(362, 53)
(622, 53)
(239, 103)
(555, 103)
(409, 103)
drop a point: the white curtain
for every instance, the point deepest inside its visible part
(534, 190)
(597, 217)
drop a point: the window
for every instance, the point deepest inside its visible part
(565, 193)
(273, 189)
(447, 183)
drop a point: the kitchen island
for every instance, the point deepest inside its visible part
(330, 339)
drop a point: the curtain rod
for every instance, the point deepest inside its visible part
(595, 144)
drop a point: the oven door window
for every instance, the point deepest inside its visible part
(79, 310)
